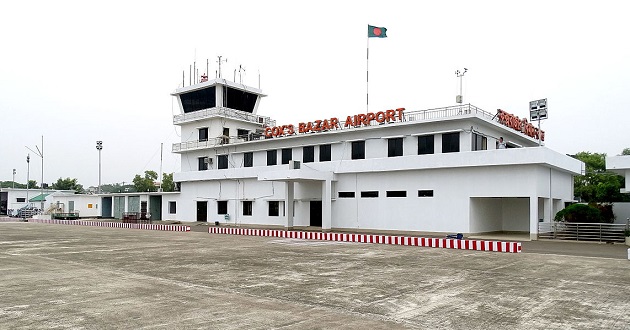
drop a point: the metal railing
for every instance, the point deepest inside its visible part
(451, 111)
(595, 232)
(224, 112)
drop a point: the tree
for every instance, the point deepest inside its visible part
(68, 184)
(580, 213)
(626, 152)
(597, 184)
(167, 182)
(146, 183)
(32, 184)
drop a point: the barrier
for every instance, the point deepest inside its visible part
(447, 243)
(113, 224)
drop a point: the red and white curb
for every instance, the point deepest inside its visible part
(113, 224)
(447, 243)
(10, 219)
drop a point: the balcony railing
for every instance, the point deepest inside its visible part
(418, 115)
(222, 112)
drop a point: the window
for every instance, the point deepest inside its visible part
(479, 142)
(287, 154)
(346, 194)
(222, 162)
(308, 154)
(203, 134)
(248, 159)
(178, 186)
(369, 194)
(242, 134)
(222, 207)
(450, 142)
(203, 165)
(425, 145)
(324, 153)
(396, 193)
(394, 147)
(274, 208)
(20, 199)
(172, 207)
(247, 207)
(225, 139)
(358, 150)
(272, 157)
(425, 193)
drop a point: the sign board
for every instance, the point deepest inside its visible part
(538, 110)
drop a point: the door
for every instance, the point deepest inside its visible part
(155, 207)
(316, 213)
(134, 204)
(202, 211)
(70, 206)
(106, 208)
(119, 206)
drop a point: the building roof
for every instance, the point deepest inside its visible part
(39, 198)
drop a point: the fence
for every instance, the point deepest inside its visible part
(595, 232)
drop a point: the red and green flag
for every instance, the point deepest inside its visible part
(377, 32)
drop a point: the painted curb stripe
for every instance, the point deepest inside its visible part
(446, 243)
(113, 224)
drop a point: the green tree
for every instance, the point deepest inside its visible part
(146, 183)
(626, 152)
(32, 184)
(597, 184)
(167, 182)
(68, 184)
(580, 213)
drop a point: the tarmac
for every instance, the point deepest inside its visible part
(74, 277)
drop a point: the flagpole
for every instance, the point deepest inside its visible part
(367, 78)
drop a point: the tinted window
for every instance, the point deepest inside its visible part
(358, 150)
(222, 207)
(308, 154)
(425, 144)
(272, 157)
(202, 164)
(287, 154)
(324, 153)
(396, 193)
(222, 162)
(199, 99)
(247, 207)
(203, 134)
(425, 193)
(394, 147)
(450, 142)
(172, 207)
(346, 194)
(369, 194)
(274, 208)
(479, 142)
(248, 159)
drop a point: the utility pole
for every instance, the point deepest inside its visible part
(28, 171)
(13, 178)
(99, 147)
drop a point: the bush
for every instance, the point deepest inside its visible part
(606, 210)
(580, 213)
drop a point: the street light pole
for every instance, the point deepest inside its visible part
(28, 171)
(13, 178)
(99, 147)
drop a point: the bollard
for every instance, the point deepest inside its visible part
(628, 254)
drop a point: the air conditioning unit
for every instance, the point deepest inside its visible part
(208, 160)
(294, 164)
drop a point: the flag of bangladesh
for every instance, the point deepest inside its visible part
(377, 32)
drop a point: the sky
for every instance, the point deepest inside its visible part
(75, 72)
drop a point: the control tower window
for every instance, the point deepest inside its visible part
(239, 100)
(199, 99)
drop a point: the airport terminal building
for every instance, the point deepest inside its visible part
(439, 170)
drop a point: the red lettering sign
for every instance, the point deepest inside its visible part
(520, 125)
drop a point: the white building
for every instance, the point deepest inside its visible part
(438, 170)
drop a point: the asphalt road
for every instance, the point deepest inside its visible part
(73, 277)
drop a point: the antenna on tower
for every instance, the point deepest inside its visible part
(219, 61)
(459, 98)
(241, 70)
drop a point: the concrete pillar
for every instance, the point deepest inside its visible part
(533, 218)
(326, 205)
(288, 202)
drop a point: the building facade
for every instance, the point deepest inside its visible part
(439, 170)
